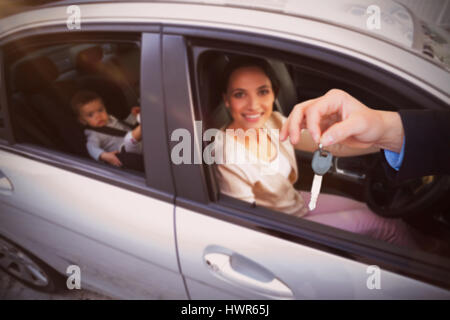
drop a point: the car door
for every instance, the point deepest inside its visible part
(230, 250)
(116, 226)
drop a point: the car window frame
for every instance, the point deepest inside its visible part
(422, 266)
(5, 129)
(154, 183)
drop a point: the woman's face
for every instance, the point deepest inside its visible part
(249, 98)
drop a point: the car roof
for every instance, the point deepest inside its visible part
(337, 25)
(398, 21)
(398, 26)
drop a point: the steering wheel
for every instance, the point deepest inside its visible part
(400, 199)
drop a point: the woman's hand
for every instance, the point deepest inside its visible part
(337, 117)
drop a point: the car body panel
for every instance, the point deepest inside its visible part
(122, 240)
(309, 273)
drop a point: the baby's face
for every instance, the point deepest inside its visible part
(93, 114)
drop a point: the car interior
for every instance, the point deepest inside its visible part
(361, 178)
(44, 81)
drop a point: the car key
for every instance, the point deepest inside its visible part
(321, 163)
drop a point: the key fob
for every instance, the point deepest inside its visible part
(321, 162)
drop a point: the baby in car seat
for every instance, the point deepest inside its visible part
(108, 139)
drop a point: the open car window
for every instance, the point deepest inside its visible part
(43, 80)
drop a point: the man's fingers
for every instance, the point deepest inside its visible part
(285, 127)
(313, 123)
(328, 104)
(341, 131)
(313, 110)
(284, 130)
(293, 125)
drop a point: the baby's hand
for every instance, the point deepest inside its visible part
(111, 158)
(136, 110)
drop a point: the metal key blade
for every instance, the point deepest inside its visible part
(315, 190)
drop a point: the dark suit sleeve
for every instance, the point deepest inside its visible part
(427, 144)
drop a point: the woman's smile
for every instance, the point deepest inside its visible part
(253, 117)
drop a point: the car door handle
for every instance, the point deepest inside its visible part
(241, 271)
(6, 186)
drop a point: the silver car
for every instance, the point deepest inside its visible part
(166, 232)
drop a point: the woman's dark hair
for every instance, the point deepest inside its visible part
(246, 61)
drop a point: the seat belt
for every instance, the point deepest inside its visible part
(109, 131)
(113, 131)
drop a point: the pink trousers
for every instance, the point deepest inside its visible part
(355, 216)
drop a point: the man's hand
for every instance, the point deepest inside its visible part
(337, 117)
(111, 158)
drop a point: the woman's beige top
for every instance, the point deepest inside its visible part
(258, 181)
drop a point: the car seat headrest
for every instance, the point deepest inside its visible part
(89, 59)
(35, 74)
(287, 95)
